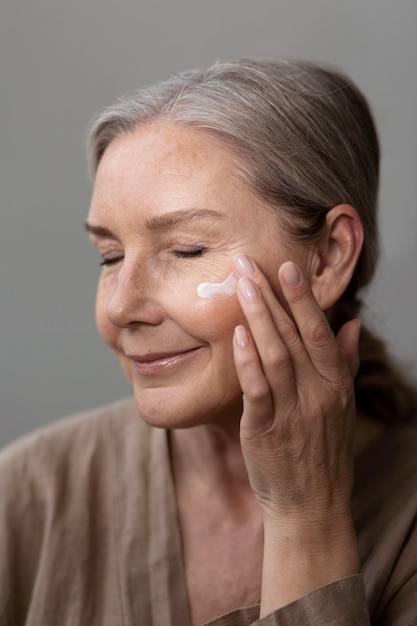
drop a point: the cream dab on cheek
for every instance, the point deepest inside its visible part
(218, 290)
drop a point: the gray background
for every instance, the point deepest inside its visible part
(62, 61)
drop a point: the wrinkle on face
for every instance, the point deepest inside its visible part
(159, 190)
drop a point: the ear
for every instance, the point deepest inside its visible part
(336, 254)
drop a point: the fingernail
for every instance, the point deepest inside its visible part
(290, 273)
(241, 335)
(243, 265)
(248, 289)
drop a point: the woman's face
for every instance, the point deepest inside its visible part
(168, 212)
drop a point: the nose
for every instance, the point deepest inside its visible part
(133, 299)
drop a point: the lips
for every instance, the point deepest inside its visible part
(160, 361)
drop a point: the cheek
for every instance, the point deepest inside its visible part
(214, 320)
(210, 319)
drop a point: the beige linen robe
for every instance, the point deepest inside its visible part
(89, 532)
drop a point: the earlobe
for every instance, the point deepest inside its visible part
(336, 255)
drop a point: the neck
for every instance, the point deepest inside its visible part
(210, 456)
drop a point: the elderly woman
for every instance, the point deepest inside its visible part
(265, 471)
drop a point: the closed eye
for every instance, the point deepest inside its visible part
(110, 261)
(189, 254)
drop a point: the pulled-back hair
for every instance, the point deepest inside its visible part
(305, 141)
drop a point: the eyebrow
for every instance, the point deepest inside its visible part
(162, 222)
(182, 216)
(99, 231)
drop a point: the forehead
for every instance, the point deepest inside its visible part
(162, 167)
(165, 170)
(165, 149)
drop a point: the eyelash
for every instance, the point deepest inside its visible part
(180, 254)
(189, 254)
(112, 261)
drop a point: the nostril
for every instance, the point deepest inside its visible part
(133, 310)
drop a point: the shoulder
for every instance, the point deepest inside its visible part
(70, 445)
(61, 489)
(67, 430)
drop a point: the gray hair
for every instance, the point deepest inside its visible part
(305, 141)
(303, 135)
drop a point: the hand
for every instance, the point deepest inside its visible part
(297, 424)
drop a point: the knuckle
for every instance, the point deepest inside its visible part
(345, 395)
(275, 358)
(288, 331)
(245, 363)
(257, 392)
(319, 333)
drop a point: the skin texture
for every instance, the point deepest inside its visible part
(147, 301)
(259, 376)
(300, 465)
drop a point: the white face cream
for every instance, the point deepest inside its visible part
(218, 290)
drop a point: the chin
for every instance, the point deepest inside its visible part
(165, 415)
(168, 420)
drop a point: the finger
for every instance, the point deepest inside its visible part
(258, 411)
(245, 266)
(313, 326)
(273, 355)
(281, 320)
